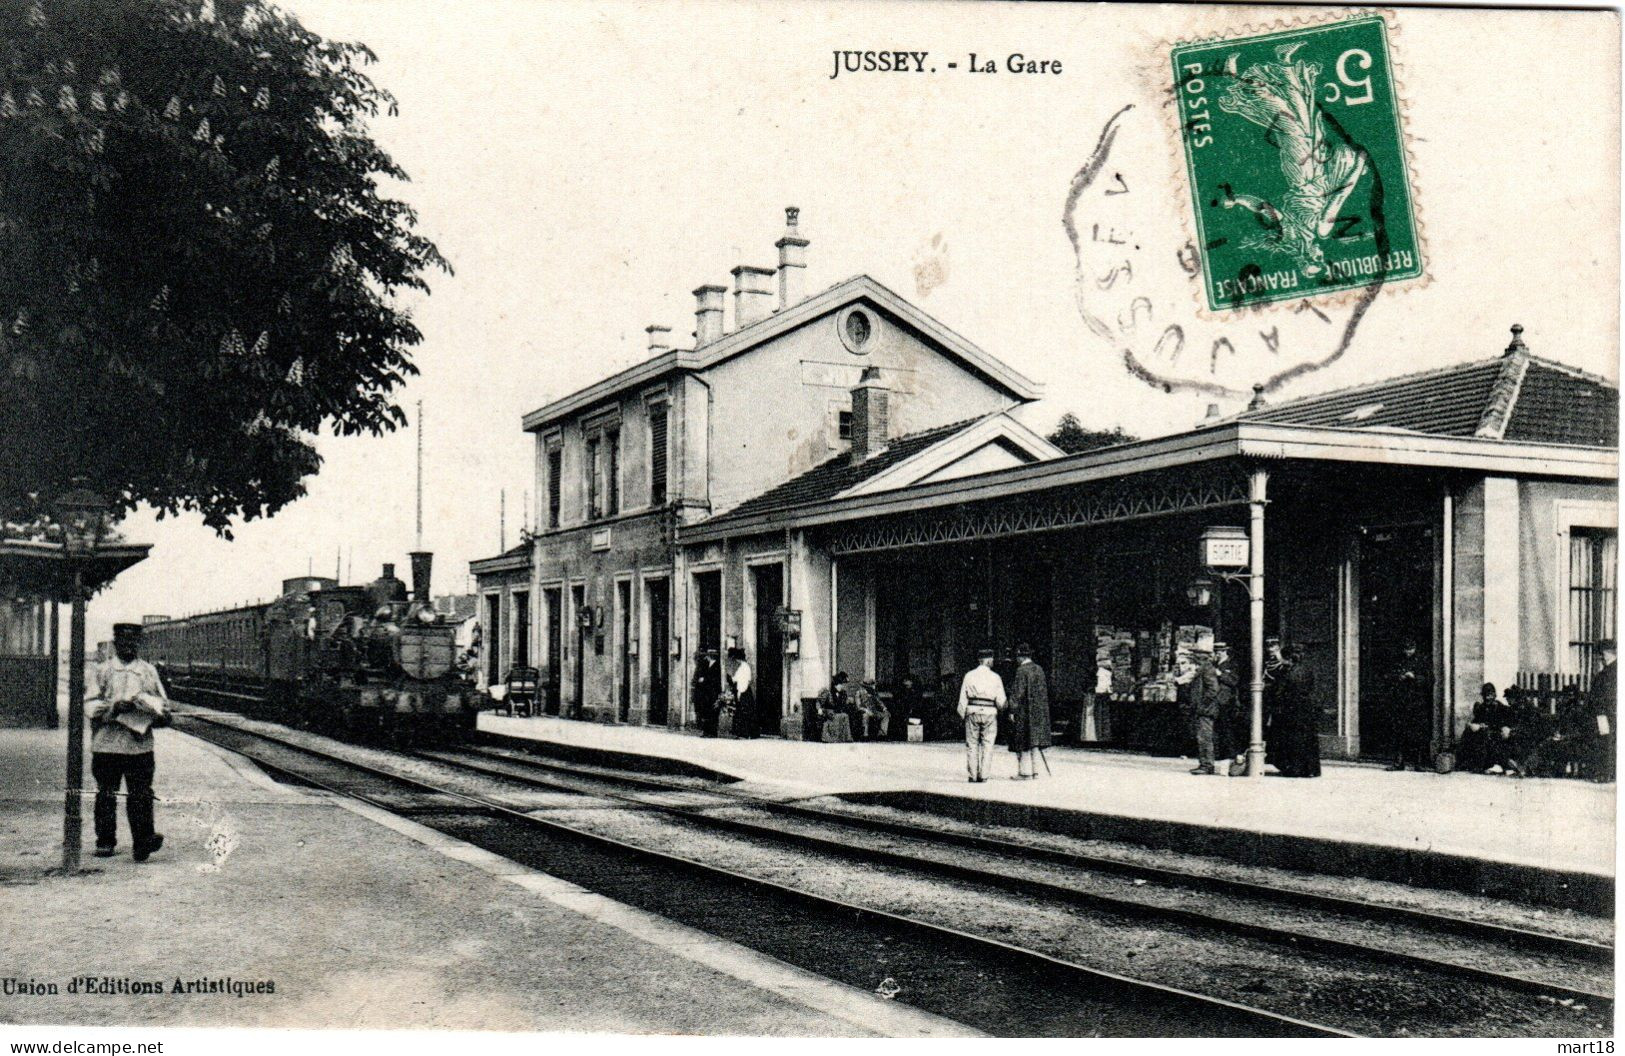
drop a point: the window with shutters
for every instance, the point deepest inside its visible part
(555, 467)
(595, 489)
(657, 454)
(612, 473)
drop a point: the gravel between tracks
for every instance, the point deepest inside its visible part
(1372, 999)
(1376, 934)
(1561, 922)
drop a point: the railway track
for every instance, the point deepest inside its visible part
(921, 851)
(979, 861)
(1501, 936)
(987, 984)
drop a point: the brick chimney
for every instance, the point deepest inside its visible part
(869, 415)
(753, 295)
(659, 338)
(792, 261)
(708, 301)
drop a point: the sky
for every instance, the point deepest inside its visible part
(585, 166)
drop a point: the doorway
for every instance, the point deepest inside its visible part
(657, 593)
(623, 620)
(768, 663)
(551, 597)
(493, 638)
(1396, 605)
(578, 606)
(521, 628)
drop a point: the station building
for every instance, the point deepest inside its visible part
(833, 483)
(603, 598)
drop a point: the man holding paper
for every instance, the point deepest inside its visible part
(129, 702)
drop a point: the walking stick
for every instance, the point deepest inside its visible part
(1044, 757)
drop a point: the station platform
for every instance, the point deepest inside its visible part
(355, 919)
(1550, 840)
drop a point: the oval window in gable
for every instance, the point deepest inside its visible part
(857, 329)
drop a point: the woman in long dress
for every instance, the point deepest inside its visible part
(739, 681)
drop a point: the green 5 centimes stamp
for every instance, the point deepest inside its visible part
(1297, 163)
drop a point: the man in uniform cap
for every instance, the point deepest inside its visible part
(981, 695)
(129, 702)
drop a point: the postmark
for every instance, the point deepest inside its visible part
(1295, 153)
(1138, 272)
(1144, 277)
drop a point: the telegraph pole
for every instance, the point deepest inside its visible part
(420, 475)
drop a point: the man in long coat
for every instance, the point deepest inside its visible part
(1409, 697)
(1029, 713)
(705, 688)
(1230, 729)
(1294, 743)
(1602, 702)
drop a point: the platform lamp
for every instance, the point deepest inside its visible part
(82, 515)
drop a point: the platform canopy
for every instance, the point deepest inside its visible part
(44, 569)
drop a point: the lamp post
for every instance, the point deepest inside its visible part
(82, 515)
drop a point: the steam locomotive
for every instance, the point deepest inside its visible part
(367, 662)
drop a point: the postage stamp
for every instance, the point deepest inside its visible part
(1296, 157)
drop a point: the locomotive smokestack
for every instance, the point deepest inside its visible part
(422, 563)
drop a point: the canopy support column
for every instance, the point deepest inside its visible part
(1257, 499)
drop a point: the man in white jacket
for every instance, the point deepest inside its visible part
(981, 698)
(129, 701)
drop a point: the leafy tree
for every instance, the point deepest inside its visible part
(198, 271)
(1070, 436)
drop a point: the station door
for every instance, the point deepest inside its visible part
(1397, 591)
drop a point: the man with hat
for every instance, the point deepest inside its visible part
(981, 695)
(129, 702)
(1204, 708)
(1230, 728)
(704, 689)
(1029, 714)
(1404, 714)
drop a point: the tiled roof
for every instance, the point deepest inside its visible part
(1515, 396)
(830, 478)
(1557, 405)
(520, 550)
